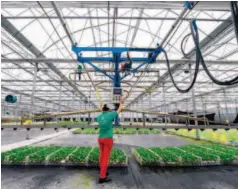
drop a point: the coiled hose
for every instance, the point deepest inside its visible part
(199, 58)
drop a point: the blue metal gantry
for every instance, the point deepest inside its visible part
(116, 59)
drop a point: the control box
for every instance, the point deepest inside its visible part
(116, 94)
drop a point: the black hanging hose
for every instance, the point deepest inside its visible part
(195, 38)
(183, 45)
(234, 13)
(171, 76)
(199, 57)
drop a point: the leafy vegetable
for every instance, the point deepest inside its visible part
(185, 157)
(77, 131)
(205, 155)
(14, 151)
(143, 131)
(79, 156)
(130, 131)
(118, 131)
(20, 156)
(91, 131)
(93, 156)
(148, 158)
(61, 154)
(40, 156)
(117, 156)
(155, 131)
(166, 155)
(225, 157)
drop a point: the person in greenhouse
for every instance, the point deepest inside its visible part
(79, 71)
(105, 139)
(126, 66)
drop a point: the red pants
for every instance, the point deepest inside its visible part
(105, 146)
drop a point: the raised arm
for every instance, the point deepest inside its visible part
(120, 106)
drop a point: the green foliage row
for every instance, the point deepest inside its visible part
(61, 154)
(65, 123)
(118, 131)
(225, 157)
(220, 135)
(8, 153)
(186, 155)
(205, 155)
(57, 154)
(145, 156)
(20, 156)
(79, 156)
(40, 156)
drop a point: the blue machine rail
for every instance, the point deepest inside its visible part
(116, 59)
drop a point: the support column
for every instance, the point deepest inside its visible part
(164, 101)
(203, 109)
(227, 112)
(176, 107)
(60, 91)
(117, 80)
(219, 112)
(150, 100)
(3, 108)
(89, 116)
(236, 107)
(194, 103)
(143, 117)
(33, 89)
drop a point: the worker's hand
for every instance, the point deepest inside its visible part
(122, 100)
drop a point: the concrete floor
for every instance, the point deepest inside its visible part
(8, 136)
(133, 177)
(65, 178)
(144, 140)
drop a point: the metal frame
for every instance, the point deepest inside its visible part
(21, 55)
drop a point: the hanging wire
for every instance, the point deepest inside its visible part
(234, 12)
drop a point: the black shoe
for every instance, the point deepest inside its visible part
(104, 180)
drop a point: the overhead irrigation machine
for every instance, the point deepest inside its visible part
(116, 59)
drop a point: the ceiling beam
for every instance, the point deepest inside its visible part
(64, 61)
(112, 18)
(199, 95)
(28, 45)
(203, 5)
(70, 37)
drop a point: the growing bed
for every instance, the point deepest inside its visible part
(63, 156)
(188, 155)
(127, 131)
(220, 136)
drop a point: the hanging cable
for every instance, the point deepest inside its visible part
(199, 57)
(234, 12)
(186, 55)
(183, 45)
(171, 76)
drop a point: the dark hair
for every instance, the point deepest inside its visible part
(105, 108)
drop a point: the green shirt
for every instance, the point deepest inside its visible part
(105, 120)
(80, 68)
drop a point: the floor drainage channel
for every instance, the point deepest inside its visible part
(133, 166)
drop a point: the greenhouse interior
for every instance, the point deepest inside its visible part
(119, 94)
